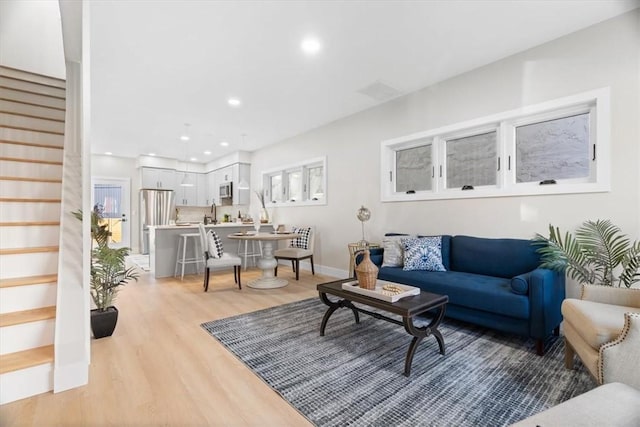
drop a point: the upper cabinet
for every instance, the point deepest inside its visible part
(187, 195)
(203, 197)
(241, 182)
(213, 195)
(158, 178)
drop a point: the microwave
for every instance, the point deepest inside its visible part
(226, 190)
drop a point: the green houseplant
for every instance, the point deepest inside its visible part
(598, 253)
(108, 273)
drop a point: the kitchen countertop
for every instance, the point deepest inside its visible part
(195, 224)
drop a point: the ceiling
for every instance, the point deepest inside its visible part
(156, 65)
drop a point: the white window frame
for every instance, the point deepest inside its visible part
(596, 102)
(302, 167)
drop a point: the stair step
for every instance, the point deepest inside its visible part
(34, 264)
(30, 116)
(21, 121)
(27, 316)
(32, 144)
(32, 77)
(26, 359)
(10, 94)
(51, 132)
(28, 237)
(14, 151)
(29, 223)
(31, 190)
(30, 87)
(34, 250)
(20, 298)
(29, 280)
(22, 200)
(27, 179)
(25, 108)
(42, 162)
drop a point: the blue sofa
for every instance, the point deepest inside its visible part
(491, 282)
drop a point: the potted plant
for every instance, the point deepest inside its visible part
(598, 254)
(108, 273)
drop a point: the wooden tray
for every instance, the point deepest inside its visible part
(377, 292)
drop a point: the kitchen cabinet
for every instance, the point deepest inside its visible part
(241, 173)
(225, 174)
(203, 198)
(158, 178)
(212, 188)
(187, 196)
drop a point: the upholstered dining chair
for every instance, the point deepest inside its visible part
(299, 249)
(603, 329)
(224, 260)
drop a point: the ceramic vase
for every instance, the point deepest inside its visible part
(367, 272)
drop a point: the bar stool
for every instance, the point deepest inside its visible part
(255, 253)
(181, 253)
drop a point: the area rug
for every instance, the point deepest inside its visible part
(354, 374)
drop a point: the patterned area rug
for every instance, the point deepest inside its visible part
(353, 375)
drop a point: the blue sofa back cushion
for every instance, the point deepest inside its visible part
(446, 250)
(493, 257)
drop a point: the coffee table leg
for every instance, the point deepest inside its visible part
(333, 306)
(420, 333)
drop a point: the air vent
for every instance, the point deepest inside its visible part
(380, 91)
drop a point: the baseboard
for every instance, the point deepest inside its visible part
(320, 269)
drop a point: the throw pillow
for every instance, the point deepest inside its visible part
(301, 242)
(423, 253)
(393, 255)
(214, 245)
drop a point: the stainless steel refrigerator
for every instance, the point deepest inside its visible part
(157, 207)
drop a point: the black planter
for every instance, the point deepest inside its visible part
(103, 323)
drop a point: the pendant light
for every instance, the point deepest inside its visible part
(186, 182)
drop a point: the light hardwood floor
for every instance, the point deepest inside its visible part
(161, 368)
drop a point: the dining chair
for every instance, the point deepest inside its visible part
(215, 258)
(299, 249)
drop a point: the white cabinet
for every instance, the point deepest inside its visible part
(241, 178)
(213, 192)
(158, 178)
(203, 198)
(187, 196)
(225, 174)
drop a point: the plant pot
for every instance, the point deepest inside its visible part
(103, 323)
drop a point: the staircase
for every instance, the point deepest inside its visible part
(32, 114)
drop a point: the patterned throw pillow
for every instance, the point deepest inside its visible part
(301, 242)
(215, 245)
(393, 255)
(423, 253)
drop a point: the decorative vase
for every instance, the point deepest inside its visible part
(264, 216)
(367, 272)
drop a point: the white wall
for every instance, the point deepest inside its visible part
(122, 167)
(32, 26)
(603, 55)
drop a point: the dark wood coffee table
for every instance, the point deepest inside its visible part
(408, 308)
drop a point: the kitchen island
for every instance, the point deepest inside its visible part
(163, 244)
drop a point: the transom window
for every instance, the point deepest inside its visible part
(560, 146)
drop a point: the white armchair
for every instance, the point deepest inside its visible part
(603, 329)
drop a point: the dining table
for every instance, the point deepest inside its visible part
(267, 263)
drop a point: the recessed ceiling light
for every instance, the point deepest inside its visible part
(152, 154)
(108, 153)
(224, 143)
(234, 102)
(311, 45)
(193, 159)
(184, 137)
(207, 153)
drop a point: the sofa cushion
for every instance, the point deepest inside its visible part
(445, 248)
(520, 284)
(491, 294)
(596, 323)
(423, 253)
(393, 251)
(493, 257)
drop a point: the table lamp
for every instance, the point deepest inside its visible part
(363, 215)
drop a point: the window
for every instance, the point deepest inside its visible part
(557, 147)
(553, 149)
(471, 161)
(414, 169)
(297, 185)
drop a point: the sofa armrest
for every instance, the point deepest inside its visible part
(546, 293)
(620, 358)
(609, 295)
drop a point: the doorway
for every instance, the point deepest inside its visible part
(112, 197)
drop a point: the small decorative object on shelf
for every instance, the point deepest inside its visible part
(367, 272)
(363, 215)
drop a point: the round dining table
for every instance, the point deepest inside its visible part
(267, 263)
